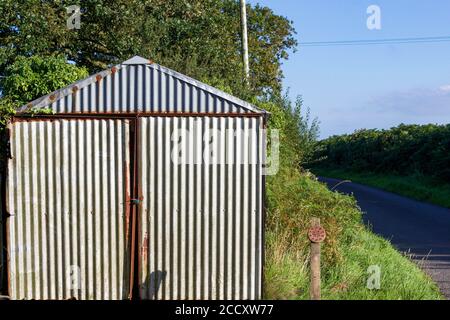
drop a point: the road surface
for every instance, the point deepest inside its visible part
(416, 227)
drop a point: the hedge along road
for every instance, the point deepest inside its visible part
(414, 227)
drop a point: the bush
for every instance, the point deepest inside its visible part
(403, 150)
(29, 78)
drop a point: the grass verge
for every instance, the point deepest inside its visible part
(347, 253)
(415, 187)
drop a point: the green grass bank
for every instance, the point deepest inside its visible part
(347, 253)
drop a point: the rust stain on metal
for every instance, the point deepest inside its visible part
(127, 204)
(125, 115)
(143, 257)
(52, 97)
(169, 81)
(144, 247)
(317, 234)
(74, 97)
(5, 219)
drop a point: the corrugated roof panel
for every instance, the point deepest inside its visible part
(138, 86)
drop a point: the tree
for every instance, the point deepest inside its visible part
(200, 38)
(30, 78)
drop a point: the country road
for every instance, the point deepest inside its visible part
(418, 228)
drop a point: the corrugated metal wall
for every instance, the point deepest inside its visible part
(67, 189)
(201, 224)
(141, 88)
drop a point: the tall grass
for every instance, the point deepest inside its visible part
(293, 197)
(347, 253)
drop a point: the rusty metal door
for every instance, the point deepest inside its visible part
(68, 225)
(200, 222)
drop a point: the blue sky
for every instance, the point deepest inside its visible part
(376, 86)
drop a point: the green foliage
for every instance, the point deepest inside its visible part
(218, 83)
(196, 37)
(34, 111)
(30, 78)
(403, 150)
(6, 111)
(308, 132)
(298, 132)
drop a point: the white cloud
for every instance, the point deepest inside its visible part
(418, 101)
(414, 106)
(445, 88)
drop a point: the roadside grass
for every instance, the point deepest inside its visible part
(413, 186)
(293, 197)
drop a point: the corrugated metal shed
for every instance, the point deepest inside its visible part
(98, 187)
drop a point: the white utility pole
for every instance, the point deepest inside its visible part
(245, 40)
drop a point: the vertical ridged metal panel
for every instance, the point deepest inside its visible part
(200, 224)
(141, 88)
(67, 193)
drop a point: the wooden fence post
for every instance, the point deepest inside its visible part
(316, 235)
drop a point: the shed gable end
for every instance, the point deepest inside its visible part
(140, 86)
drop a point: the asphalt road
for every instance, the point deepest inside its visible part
(418, 228)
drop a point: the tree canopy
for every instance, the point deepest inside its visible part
(200, 38)
(30, 78)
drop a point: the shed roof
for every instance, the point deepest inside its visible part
(139, 85)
